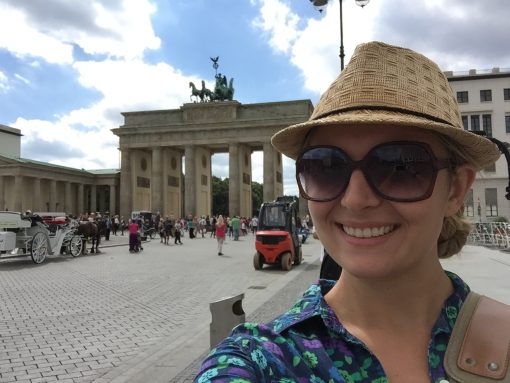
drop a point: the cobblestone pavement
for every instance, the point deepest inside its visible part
(121, 317)
(81, 319)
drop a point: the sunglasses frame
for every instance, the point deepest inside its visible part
(437, 164)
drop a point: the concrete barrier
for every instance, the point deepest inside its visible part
(226, 314)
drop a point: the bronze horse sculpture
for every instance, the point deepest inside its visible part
(92, 230)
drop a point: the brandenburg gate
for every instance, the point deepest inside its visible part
(155, 144)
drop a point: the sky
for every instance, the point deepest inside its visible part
(68, 68)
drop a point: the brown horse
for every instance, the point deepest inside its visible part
(90, 230)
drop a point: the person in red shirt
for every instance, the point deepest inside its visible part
(133, 236)
(221, 228)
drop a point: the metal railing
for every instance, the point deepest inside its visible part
(492, 234)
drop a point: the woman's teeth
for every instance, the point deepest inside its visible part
(368, 232)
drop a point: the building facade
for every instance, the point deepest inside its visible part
(26, 184)
(484, 101)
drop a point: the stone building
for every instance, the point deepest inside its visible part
(155, 144)
(484, 101)
(165, 162)
(26, 184)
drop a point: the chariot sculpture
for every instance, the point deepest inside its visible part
(223, 90)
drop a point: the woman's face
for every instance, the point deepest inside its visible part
(403, 235)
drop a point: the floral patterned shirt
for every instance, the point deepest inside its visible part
(309, 344)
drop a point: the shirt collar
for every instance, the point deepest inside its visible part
(313, 304)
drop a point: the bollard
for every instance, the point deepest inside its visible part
(226, 314)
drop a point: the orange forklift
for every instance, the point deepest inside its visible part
(277, 241)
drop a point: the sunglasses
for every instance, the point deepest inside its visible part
(400, 171)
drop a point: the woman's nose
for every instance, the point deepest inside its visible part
(359, 194)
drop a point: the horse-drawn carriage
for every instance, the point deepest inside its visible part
(22, 235)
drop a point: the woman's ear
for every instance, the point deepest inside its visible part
(462, 179)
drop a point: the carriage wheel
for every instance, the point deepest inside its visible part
(39, 247)
(75, 245)
(299, 257)
(152, 234)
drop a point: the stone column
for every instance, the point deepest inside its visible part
(233, 180)
(18, 193)
(67, 198)
(93, 199)
(36, 197)
(81, 199)
(53, 195)
(113, 202)
(126, 199)
(269, 173)
(2, 193)
(190, 187)
(156, 181)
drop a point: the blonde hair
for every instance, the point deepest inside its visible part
(456, 228)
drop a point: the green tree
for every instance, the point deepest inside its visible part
(219, 196)
(256, 197)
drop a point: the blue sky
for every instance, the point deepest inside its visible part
(69, 68)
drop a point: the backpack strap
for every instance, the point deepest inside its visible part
(479, 347)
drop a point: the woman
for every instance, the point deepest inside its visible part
(221, 228)
(385, 164)
(134, 241)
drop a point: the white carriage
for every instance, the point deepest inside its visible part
(28, 235)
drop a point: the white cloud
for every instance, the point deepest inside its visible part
(29, 41)
(277, 18)
(122, 32)
(21, 78)
(124, 86)
(4, 82)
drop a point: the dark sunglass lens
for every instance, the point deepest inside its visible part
(323, 173)
(401, 172)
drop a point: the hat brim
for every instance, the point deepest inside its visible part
(290, 141)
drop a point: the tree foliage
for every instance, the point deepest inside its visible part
(219, 196)
(256, 197)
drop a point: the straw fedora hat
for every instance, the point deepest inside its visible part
(389, 85)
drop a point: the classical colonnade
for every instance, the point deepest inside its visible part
(155, 145)
(35, 189)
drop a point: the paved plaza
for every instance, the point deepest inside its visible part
(121, 317)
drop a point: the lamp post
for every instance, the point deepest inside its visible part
(320, 5)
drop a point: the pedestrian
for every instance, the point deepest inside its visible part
(254, 224)
(213, 226)
(177, 232)
(123, 225)
(191, 227)
(202, 223)
(133, 236)
(235, 227)
(116, 225)
(221, 228)
(168, 225)
(385, 164)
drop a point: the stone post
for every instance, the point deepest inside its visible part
(190, 187)
(156, 184)
(233, 180)
(125, 185)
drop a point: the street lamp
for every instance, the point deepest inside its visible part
(320, 5)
